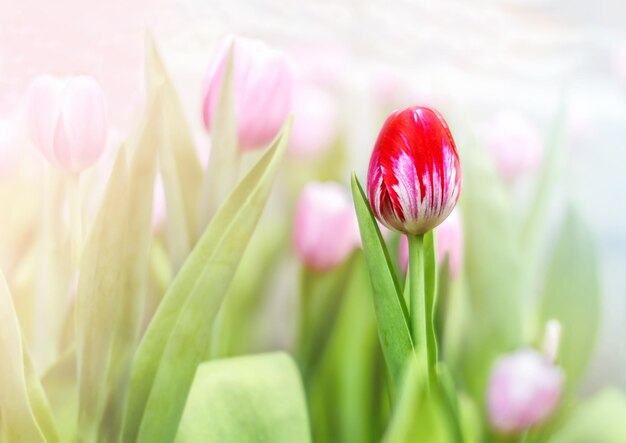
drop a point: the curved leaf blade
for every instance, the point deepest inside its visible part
(178, 337)
(18, 420)
(391, 310)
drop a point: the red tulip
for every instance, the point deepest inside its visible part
(414, 176)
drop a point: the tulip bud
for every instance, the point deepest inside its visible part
(326, 230)
(514, 143)
(449, 243)
(524, 389)
(262, 83)
(67, 120)
(414, 176)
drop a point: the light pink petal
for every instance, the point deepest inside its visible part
(43, 104)
(81, 134)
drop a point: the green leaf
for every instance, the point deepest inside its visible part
(234, 332)
(178, 337)
(572, 295)
(179, 165)
(391, 310)
(39, 400)
(18, 419)
(544, 186)
(221, 174)
(351, 372)
(244, 399)
(601, 419)
(419, 415)
(493, 269)
(112, 277)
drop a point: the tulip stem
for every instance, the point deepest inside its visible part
(75, 220)
(421, 316)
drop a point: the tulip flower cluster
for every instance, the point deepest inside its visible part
(252, 297)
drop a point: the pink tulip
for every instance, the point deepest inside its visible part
(315, 122)
(524, 389)
(262, 82)
(449, 238)
(514, 143)
(326, 230)
(67, 120)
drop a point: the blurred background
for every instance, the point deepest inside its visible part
(486, 63)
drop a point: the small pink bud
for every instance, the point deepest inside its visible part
(315, 122)
(514, 143)
(326, 230)
(524, 389)
(414, 175)
(67, 120)
(262, 83)
(449, 238)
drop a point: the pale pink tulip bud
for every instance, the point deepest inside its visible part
(552, 340)
(262, 83)
(67, 120)
(524, 389)
(315, 122)
(514, 143)
(449, 238)
(325, 229)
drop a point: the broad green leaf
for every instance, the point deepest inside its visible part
(178, 337)
(61, 387)
(391, 310)
(602, 419)
(419, 415)
(572, 295)
(544, 187)
(493, 270)
(39, 400)
(246, 399)
(320, 297)
(221, 174)
(112, 277)
(470, 420)
(178, 161)
(238, 316)
(19, 424)
(344, 392)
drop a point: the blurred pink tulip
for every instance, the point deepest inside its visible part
(67, 120)
(524, 389)
(514, 142)
(315, 122)
(325, 230)
(263, 83)
(449, 238)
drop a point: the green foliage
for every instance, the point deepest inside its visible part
(178, 337)
(599, 420)
(493, 270)
(111, 284)
(246, 399)
(178, 162)
(391, 311)
(25, 414)
(572, 295)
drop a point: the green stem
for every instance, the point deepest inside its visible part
(76, 233)
(422, 326)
